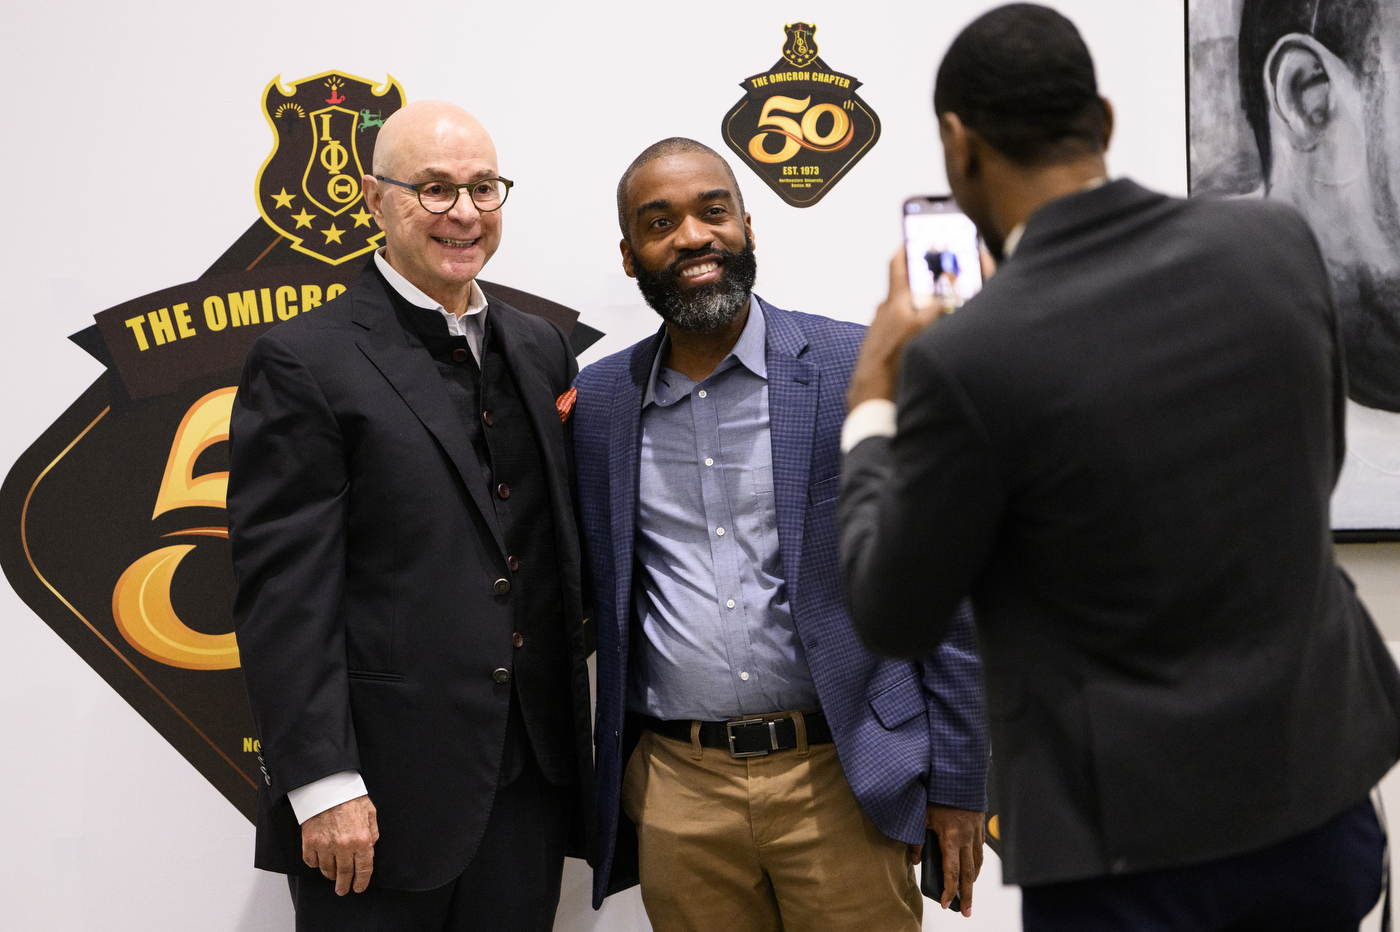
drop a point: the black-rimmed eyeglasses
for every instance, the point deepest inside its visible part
(438, 197)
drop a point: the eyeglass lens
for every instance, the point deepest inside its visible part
(439, 196)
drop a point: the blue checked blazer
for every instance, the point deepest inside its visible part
(907, 732)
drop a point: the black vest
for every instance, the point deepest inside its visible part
(512, 469)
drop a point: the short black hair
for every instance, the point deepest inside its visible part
(1344, 27)
(1021, 76)
(675, 145)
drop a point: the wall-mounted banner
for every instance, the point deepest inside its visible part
(800, 125)
(112, 525)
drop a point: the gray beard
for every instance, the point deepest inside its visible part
(708, 311)
(709, 307)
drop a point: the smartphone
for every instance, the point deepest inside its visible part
(931, 877)
(942, 251)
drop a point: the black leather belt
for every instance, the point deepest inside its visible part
(754, 736)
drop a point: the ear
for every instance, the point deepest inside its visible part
(627, 260)
(374, 196)
(1107, 122)
(958, 156)
(1299, 85)
(748, 228)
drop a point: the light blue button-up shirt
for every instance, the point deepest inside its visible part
(718, 637)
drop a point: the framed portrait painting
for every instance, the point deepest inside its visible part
(1299, 101)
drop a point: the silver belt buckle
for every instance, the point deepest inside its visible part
(772, 737)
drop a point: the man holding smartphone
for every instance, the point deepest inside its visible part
(1123, 449)
(758, 768)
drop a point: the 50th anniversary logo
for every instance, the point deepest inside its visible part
(114, 524)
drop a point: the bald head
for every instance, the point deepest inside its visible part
(424, 128)
(430, 141)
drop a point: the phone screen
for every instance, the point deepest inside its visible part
(941, 249)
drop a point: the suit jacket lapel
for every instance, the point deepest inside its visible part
(624, 464)
(794, 386)
(403, 361)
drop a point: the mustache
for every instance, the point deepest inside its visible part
(687, 255)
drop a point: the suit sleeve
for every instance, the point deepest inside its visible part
(287, 499)
(958, 740)
(918, 513)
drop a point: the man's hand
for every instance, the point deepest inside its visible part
(340, 841)
(896, 322)
(960, 837)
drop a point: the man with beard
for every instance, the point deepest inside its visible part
(757, 767)
(1320, 80)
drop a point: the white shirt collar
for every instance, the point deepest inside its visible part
(1013, 239)
(476, 298)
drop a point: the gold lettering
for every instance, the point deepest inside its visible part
(335, 291)
(144, 615)
(161, 328)
(141, 605)
(204, 424)
(310, 297)
(839, 124)
(136, 324)
(182, 320)
(284, 310)
(789, 128)
(214, 314)
(243, 308)
(266, 304)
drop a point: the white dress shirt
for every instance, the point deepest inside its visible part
(328, 792)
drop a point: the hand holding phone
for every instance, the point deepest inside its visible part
(942, 252)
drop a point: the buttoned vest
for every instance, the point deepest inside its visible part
(512, 469)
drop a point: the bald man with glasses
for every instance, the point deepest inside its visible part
(409, 604)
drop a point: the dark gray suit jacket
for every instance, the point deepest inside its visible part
(1123, 449)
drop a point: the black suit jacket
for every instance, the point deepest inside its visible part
(1123, 449)
(366, 552)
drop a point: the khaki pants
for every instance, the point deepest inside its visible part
(761, 844)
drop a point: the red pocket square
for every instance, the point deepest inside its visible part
(564, 404)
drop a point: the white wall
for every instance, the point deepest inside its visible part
(150, 112)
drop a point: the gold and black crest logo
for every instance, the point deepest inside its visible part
(800, 125)
(309, 187)
(113, 526)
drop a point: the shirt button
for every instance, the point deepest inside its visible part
(461, 355)
(744, 677)
(503, 491)
(500, 675)
(513, 563)
(702, 393)
(517, 639)
(486, 416)
(719, 532)
(501, 587)
(709, 462)
(730, 603)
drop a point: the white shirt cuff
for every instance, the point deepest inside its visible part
(326, 793)
(872, 418)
